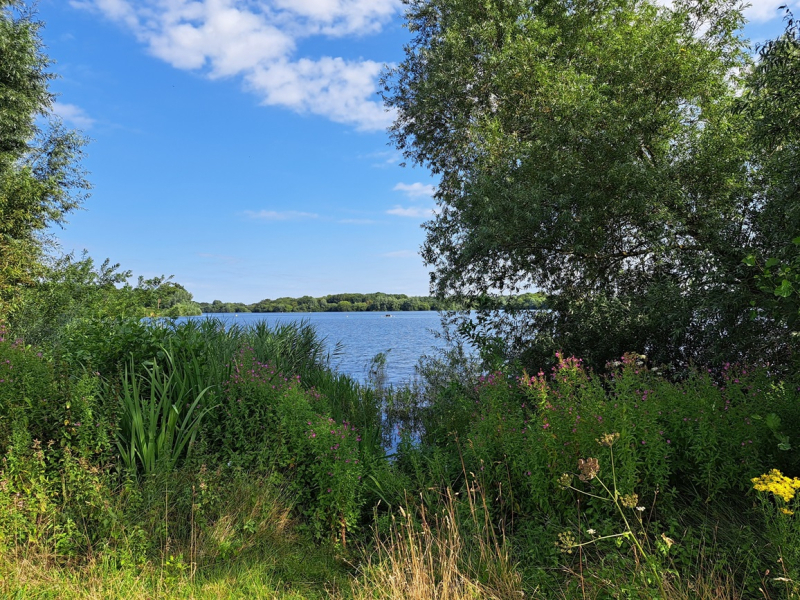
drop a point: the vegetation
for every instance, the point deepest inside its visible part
(41, 180)
(601, 152)
(158, 458)
(71, 295)
(231, 452)
(366, 302)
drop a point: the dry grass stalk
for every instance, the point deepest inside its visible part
(432, 559)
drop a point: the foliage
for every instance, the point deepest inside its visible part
(274, 457)
(160, 415)
(73, 293)
(593, 150)
(365, 302)
(267, 422)
(773, 102)
(41, 180)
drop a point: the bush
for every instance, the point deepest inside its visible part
(268, 422)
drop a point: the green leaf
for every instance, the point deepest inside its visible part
(785, 289)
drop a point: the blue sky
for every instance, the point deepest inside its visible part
(238, 145)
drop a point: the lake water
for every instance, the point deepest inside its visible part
(405, 337)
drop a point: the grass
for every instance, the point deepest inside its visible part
(247, 546)
(287, 577)
(431, 556)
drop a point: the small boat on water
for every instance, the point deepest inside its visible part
(387, 315)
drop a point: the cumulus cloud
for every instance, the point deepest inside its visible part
(411, 211)
(275, 215)
(761, 11)
(74, 115)
(257, 39)
(415, 190)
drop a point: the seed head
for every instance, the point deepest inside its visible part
(589, 468)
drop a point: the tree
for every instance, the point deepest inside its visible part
(773, 102)
(40, 176)
(588, 148)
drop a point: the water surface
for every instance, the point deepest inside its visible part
(404, 336)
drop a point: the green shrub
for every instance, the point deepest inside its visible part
(267, 422)
(699, 440)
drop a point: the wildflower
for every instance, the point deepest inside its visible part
(591, 531)
(565, 480)
(608, 439)
(566, 541)
(786, 511)
(640, 508)
(630, 500)
(589, 468)
(777, 483)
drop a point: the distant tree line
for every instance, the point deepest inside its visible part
(378, 302)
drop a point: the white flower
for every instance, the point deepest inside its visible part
(640, 508)
(591, 531)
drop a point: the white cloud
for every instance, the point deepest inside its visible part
(415, 190)
(761, 11)
(331, 87)
(274, 215)
(401, 254)
(256, 40)
(341, 17)
(758, 11)
(411, 211)
(74, 115)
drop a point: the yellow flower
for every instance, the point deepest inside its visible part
(777, 483)
(786, 511)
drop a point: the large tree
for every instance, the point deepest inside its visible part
(773, 103)
(40, 176)
(591, 149)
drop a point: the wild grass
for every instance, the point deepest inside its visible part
(436, 555)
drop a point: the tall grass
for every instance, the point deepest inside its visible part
(451, 552)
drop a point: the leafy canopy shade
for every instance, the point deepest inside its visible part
(589, 148)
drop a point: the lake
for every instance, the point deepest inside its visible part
(405, 337)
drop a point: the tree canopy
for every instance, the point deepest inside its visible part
(773, 103)
(364, 302)
(40, 175)
(594, 150)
